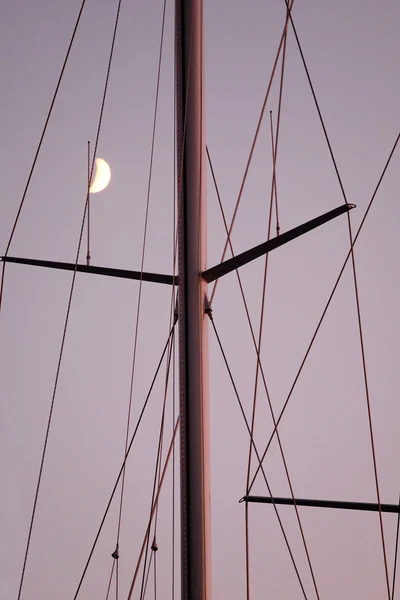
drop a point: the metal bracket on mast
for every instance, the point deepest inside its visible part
(207, 308)
(245, 257)
(109, 272)
(363, 506)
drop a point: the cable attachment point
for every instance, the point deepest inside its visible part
(207, 308)
(154, 546)
(115, 554)
(176, 314)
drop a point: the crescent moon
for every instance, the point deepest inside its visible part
(102, 176)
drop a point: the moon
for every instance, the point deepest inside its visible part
(102, 176)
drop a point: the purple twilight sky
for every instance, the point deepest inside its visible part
(352, 50)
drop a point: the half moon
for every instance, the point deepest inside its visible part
(102, 176)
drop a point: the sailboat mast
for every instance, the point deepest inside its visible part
(193, 343)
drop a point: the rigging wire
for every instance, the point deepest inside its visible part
(255, 450)
(227, 243)
(253, 415)
(88, 207)
(72, 287)
(327, 306)
(50, 417)
(36, 156)
(147, 533)
(367, 395)
(396, 551)
(360, 328)
(116, 579)
(155, 575)
(175, 243)
(172, 316)
(175, 248)
(157, 470)
(173, 473)
(171, 334)
(258, 348)
(148, 573)
(135, 341)
(264, 382)
(110, 579)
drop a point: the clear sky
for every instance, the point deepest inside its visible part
(351, 49)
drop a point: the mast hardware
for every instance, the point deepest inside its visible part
(364, 506)
(210, 274)
(245, 257)
(122, 273)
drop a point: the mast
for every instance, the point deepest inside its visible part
(193, 344)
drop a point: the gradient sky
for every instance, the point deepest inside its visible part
(352, 50)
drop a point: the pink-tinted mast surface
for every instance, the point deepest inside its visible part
(194, 409)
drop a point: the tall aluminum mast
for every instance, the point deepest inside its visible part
(193, 344)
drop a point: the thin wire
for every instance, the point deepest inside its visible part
(173, 470)
(148, 573)
(267, 394)
(172, 308)
(174, 367)
(258, 364)
(374, 460)
(367, 396)
(110, 579)
(274, 184)
(261, 369)
(153, 509)
(135, 342)
(273, 189)
(116, 579)
(253, 145)
(40, 144)
(155, 575)
(395, 551)
(157, 470)
(275, 143)
(49, 421)
(174, 359)
(317, 105)
(171, 334)
(256, 451)
(253, 415)
(88, 209)
(327, 306)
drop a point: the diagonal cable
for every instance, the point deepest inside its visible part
(361, 337)
(40, 144)
(49, 421)
(147, 533)
(327, 305)
(396, 551)
(171, 334)
(138, 307)
(157, 470)
(261, 370)
(239, 198)
(258, 349)
(256, 451)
